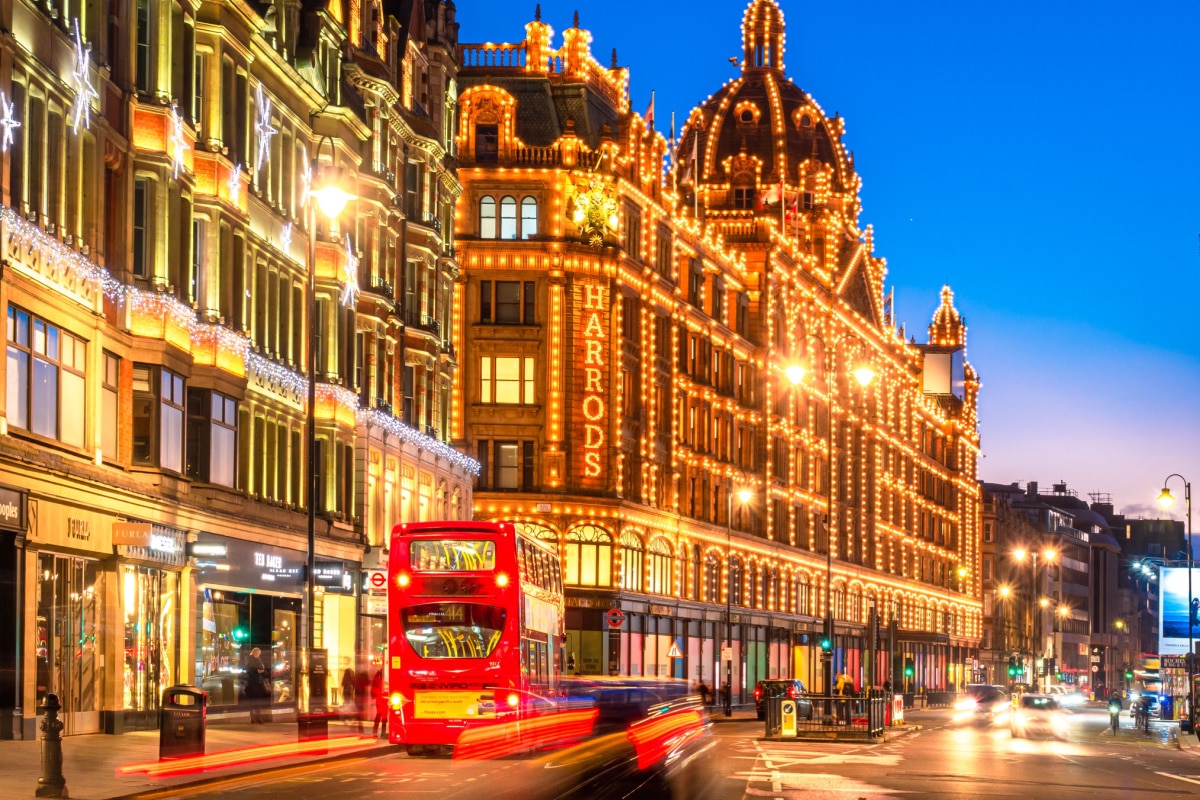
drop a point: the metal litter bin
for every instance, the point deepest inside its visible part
(182, 722)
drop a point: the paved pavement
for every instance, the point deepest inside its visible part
(96, 766)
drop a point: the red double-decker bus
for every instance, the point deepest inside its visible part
(475, 630)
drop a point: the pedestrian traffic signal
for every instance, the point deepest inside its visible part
(1128, 674)
(909, 668)
(826, 644)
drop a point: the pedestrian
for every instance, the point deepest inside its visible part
(256, 687)
(702, 690)
(887, 687)
(379, 695)
(362, 697)
(348, 694)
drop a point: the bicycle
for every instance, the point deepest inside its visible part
(1114, 714)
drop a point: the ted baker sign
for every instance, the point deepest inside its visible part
(593, 403)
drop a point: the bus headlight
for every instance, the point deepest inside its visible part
(501, 580)
(513, 700)
(395, 700)
(402, 580)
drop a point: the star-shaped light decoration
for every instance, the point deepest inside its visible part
(264, 128)
(285, 238)
(350, 289)
(306, 177)
(85, 93)
(179, 145)
(235, 183)
(7, 123)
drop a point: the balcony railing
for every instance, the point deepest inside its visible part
(416, 319)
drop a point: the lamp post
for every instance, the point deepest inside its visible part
(743, 496)
(332, 200)
(1042, 602)
(1165, 499)
(864, 374)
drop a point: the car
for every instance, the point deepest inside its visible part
(982, 703)
(1038, 715)
(782, 687)
(1068, 696)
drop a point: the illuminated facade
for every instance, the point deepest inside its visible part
(628, 341)
(156, 237)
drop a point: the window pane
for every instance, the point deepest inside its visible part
(508, 218)
(588, 577)
(487, 218)
(45, 399)
(528, 218)
(528, 381)
(485, 380)
(171, 438)
(222, 457)
(508, 302)
(506, 465)
(572, 576)
(72, 409)
(18, 388)
(604, 569)
(508, 380)
(108, 431)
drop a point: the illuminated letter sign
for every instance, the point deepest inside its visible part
(592, 403)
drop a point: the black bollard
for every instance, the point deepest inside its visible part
(52, 783)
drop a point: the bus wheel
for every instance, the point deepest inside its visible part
(446, 751)
(414, 749)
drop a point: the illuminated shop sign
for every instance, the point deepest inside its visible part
(593, 404)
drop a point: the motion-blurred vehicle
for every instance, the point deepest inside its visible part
(982, 704)
(1038, 715)
(792, 688)
(1067, 696)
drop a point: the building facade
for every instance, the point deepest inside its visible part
(661, 379)
(158, 241)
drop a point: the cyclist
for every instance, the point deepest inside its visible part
(1114, 713)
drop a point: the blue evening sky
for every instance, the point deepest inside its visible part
(1040, 157)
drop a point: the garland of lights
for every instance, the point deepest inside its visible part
(85, 93)
(7, 121)
(28, 236)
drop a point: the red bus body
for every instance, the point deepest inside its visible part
(475, 629)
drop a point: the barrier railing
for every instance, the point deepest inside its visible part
(834, 716)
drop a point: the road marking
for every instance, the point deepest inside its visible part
(1178, 777)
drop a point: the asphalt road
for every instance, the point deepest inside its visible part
(945, 759)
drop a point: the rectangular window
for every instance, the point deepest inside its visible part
(507, 465)
(743, 198)
(46, 387)
(110, 393)
(141, 262)
(632, 240)
(507, 302)
(212, 437)
(144, 55)
(484, 465)
(527, 466)
(506, 380)
(487, 143)
(662, 252)
(173, 402)
(158, 417)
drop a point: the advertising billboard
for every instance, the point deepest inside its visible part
(1175, 608)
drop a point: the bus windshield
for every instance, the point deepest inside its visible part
(453, 630)
(452, 555)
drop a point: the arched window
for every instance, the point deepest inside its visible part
(854, 606)
(529, 220)
(632, 562)
(538, 531)
(487, 217)
(839, 603)
(771, 601)
(735, 581)
(695, 593)
(803, 596)
(589, 557)
(508, 218)
(662, 568)
(712, 579)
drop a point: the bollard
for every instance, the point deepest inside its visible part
(52, 783)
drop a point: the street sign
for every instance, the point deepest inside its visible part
(615, 617)
(674, 651)
(377, 579)
(727, 654)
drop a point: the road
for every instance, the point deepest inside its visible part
(942, 760)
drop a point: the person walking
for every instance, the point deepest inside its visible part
(348, 681)
(379, 695)
(362, 697)
(257, 685)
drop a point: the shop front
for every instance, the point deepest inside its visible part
(150, 559)
(14, 508)
(247, 595)
(337, 623)
(69, 562)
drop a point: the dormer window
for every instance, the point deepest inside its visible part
(487, 143)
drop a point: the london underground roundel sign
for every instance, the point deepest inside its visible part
(615, 617)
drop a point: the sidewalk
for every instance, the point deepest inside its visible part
(90, 762)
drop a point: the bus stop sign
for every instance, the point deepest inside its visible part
(615, 617)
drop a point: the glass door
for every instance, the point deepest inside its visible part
(68, 644)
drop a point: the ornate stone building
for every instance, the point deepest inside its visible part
(643, 352)
(158, 238)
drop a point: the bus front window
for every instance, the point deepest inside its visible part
(452, 555)
(453, 630)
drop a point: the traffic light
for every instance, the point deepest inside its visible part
(240, 634)
(826, 644)
(1013, 669)
(909, 668)
(1128, 674)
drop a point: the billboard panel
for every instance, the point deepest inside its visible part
(1175, 608)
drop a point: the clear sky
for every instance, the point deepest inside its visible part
(1042, 158)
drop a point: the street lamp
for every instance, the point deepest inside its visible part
(332, 200)
(1048, 554)
(1165, 499)
(743, 496)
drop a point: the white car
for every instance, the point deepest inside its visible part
(1067, 697)
(1038, 715)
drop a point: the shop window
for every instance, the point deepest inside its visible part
(632, 562)
(45, 392)
(588, 557)
(506, 302)
(150, 599)
(232, 623)
(158, 414)
(68, 643)
(212, 437)
(506, 380)
(487, 217)
(662, 568)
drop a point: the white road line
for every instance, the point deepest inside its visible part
(1178, 777)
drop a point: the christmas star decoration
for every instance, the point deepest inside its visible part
(235, 183)
(179, 145)
(305, 180)
(7, 123)
(264, 128)
(350, 290)
(285, 238)
(85, 93)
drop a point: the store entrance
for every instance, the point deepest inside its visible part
(68, 641)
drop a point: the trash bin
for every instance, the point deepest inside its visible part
(182, 721)
(1166, 707)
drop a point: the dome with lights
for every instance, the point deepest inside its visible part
(760, 130)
